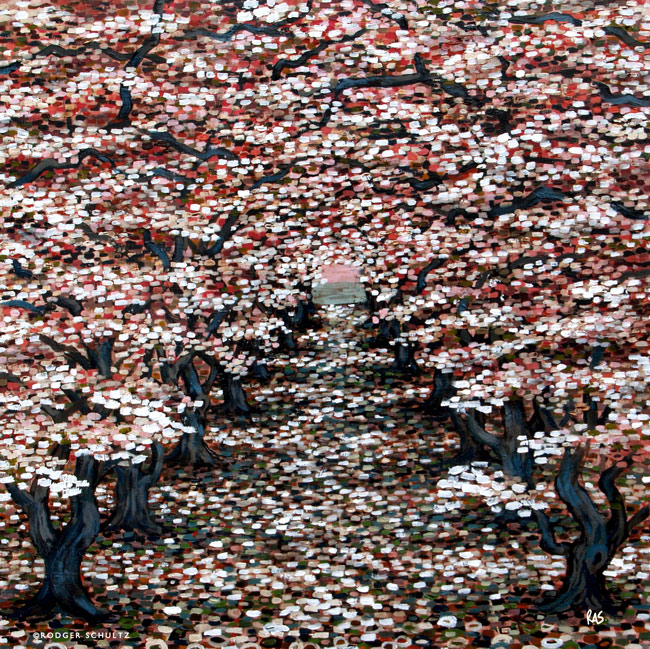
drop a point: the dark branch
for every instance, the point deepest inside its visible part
(23, 304)
(240, 27)
(622, 35)
(435, 263)
(278, 176)
(310, 54)
(540, 20)
(210, 152)
(480, 434)
(8, 69)
(542, 194)
(70, 304)
(155, 468)
(49, 164)
(59, 51)
(547, 541)
(628, 212)
(627, 99)
(19, 271)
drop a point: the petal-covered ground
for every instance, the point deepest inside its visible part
(332, 523)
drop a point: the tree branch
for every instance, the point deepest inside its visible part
(480, 434)
(637, 518)
(574, 496)
(617, 529)
(547, 541)
(156, 466)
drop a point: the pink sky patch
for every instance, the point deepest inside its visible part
(340, 273)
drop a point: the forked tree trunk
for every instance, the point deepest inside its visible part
(542, 419)
(584, 586)
(515, 462)
(131, 511)
(63, 550)
(470, 450)
(191, 449)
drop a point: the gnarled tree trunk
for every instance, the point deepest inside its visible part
(584, 585)
(63, 550)
(515, 462)
(131, 510)
(191, 449)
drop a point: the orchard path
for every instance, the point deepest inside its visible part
(328, 496)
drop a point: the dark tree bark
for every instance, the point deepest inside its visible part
(259, 368)
(63, 550)
(591, 417)
(261, 372)
(584, 586)
(131, 510)
(404, 358)
(287, 341)
(421, 284)
(234, 397)
(302, 319)
(389, 334)
(388, 331)
(191, 449)
(470, 449)
(443, 389)
(542, 419)
(506, 448)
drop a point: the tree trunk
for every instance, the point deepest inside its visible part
(388, 331)
(261, 372)
(287, 341)
(584, 585)
(515, 463)
(443, 389)
(587, 557)
(131, 510)
(470, 450)
(302, 318)
(404, 360)
(234, 397)
(64, 550)
(542, 419)
(191, 449)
